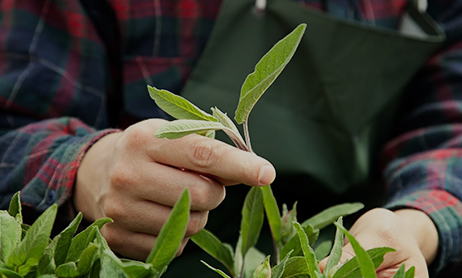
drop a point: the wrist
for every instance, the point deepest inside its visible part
(91, 177)
(423, 229)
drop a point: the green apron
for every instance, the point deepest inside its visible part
(329, 111)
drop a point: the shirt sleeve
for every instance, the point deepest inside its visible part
(41, 161)
(53, 81)
(424, 162)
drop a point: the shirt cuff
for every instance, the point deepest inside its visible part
(446, 212)
(62, 193)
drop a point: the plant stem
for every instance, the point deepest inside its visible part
(246, 134)
(236, 138)
(242, 267)
(276, 251)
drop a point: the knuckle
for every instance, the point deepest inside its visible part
(196, 223)
(200, 197)
(114, 210)
(204, 154)
(206, 196)
(136, 135)
(120, 175)
(112, 236)
(388, 235)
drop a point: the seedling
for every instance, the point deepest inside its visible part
(293, 242)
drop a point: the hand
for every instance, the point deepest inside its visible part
(411, 232)
(135, 178)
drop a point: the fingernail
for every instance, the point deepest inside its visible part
(267, 175)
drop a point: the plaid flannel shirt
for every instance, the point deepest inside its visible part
(55, 76)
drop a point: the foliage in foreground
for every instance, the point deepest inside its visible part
(293, 242)
(27, 251)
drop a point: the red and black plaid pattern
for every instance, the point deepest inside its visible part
(55, 76)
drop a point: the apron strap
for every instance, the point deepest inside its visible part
(422, 5)
(260, 5)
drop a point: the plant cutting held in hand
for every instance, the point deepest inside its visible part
(191, 119)
(293, 242)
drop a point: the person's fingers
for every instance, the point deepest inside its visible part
(218, 159)
(210, 157)
(164, 185)
(148, 217)
(382, 227)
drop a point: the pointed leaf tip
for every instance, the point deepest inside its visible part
(177, 106)
(266, 71)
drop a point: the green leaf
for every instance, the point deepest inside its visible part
(109, 268)
(95, 270)
(180, 128)
(231, 131)
(224, 119)
(15, 207)
(336, 252)
(215, 248)
(400, 273)
(328, 216)
(83, 239)
(10, 234)
(28, 253)
(288, 229)
(307, 251)
(322, 250)
(294, 243)
(278, 269)
(177, 106)
(47, 263)
(216, 270)
(272, 213)
(263, 270)
(252, 219)
(266, 71)
(244, 267)
(238, 258)
(136, 269)
(410, 272)
(296, 267)
(351, 269)
(253, 259)
(83, 266)
(210, 134)
(133, 269)
(365, 262)
(171, 234)
(8, 273)
(24, 229)
(65, 239)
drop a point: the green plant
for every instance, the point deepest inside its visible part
(27, 251)
(293, 242)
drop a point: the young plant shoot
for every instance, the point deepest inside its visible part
(292, 241)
